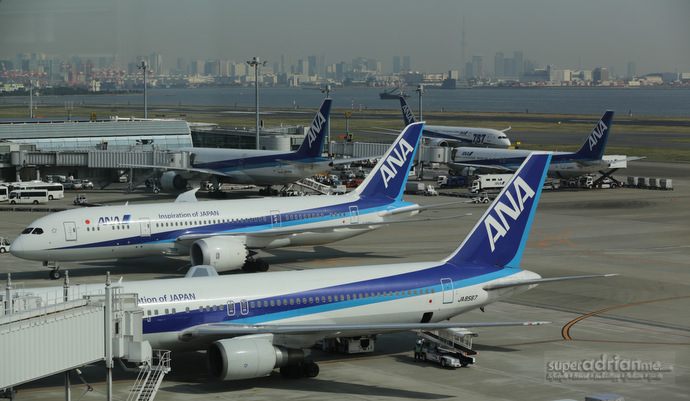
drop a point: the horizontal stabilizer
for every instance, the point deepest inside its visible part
(412, 208)
(509, 284)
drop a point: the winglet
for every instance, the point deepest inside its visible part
(408, 117)
(499, 237)
(312, 146)
(389, 176)
(593, 148)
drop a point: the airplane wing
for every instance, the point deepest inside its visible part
(328, 163)
(484, 166)
(212, 331)
(169, 168)
(509, 284)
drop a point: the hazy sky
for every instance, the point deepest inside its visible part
(568, 34)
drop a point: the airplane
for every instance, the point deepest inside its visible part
(447, 136)
(252, 324)
(225, 233)
(252, 166)
(563, 164)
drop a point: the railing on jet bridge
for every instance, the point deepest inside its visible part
(22, 304)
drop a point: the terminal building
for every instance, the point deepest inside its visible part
(95, 149)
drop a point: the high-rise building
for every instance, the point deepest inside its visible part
(499, 65)
(632, 70)
(317, 65)
(156, 63)
(478, 66)
(396, 64)
(406, 64)
(600, 74)
(518, 65)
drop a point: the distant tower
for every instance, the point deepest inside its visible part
(406, 63)
(462, 48)
(632, 69)
(499, 65)
(519, 70)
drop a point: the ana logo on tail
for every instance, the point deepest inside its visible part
(495, 229)
(397, 157)
(315, 127)
(596, 134)
(407, 114)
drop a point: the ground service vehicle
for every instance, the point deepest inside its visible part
(452, 181)
(34, 196)
(55, 190)
(489, 181)
(4, 245)
(441, 356)
(4, 191)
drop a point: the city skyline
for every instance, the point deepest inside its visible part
(584, 35)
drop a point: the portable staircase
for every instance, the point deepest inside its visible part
(314, 186)
(458, 341)
(150, 377)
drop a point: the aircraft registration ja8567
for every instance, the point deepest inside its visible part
(252, 324)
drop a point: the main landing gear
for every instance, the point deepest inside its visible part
(268, 191)
(304, 369)
(255, 265)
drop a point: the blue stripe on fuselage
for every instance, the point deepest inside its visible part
(406, 285)
(365, 206)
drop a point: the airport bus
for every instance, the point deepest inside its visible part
(55, 190)
(4, 191)
(34, 196)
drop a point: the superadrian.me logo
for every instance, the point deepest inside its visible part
(613, 368)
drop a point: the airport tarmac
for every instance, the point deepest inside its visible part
(610, 325)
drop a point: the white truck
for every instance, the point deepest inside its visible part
(447, 359)
(489, 182)
(448, 347)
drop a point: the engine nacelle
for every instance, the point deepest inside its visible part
(223, 253)
(246, 358)
(439, 142)
(173, 181)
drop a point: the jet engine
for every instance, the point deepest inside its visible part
(223, 253)
(173, 181)
(246, 358)
(439, 142)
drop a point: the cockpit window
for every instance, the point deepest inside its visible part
(27, 230)
(37, 231)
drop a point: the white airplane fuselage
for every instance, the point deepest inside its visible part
(385, 294)
(466, 136)
(144, 230)
(563, 164)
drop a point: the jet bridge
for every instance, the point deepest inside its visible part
(45, 332)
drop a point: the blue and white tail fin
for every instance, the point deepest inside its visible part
(408, 116)
(389, 176)
(312, 146)
(593, 148)
(499, 237)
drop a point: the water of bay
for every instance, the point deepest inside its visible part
(591, 101)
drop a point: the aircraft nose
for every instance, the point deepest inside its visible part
(17, 248)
